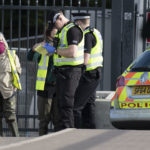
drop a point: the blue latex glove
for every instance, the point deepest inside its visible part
(49, 48)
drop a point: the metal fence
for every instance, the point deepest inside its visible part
(22, 23)
(146, 16)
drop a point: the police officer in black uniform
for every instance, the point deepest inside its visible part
(84, 105)
(68, 61)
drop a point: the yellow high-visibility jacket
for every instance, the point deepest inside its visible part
(96, 58)
(62, 61)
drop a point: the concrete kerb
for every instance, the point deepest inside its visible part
(103, 99)
(36, 139)
(102, 120)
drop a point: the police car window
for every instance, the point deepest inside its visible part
(142, 63)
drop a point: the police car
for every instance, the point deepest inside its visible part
(130, 106)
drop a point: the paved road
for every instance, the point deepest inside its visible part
(73, 139)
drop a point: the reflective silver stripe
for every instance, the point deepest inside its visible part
(55, 17)
(81, 48)
(94, 64)
(86, 30)
(69, 59)
(70, 25)
(40, 79)
(42, 67)
(18, 81)
(15, 72)
(99, 35)
(44, 60)
(96, 55)
(81, 17)
(63, 33)
(62, 37)
(62, 46)
(11, 52)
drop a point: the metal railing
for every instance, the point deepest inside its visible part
(22, 23)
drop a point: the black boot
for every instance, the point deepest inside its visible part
(43, 127)
(14, 128)
(1, 127)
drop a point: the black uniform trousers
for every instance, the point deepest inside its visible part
(84, 105)
(67, 80)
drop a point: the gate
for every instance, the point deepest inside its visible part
(22, 23)
(146, 15)
(127, 22)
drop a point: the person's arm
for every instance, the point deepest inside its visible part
(70, 52)
(74, 36)
(88, 46)
(33, 56)
(86, 58)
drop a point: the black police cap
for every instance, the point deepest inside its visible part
(78, 16)
(53, 15)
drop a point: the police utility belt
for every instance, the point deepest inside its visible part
(59, 70)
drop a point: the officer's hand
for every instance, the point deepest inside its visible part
(49, 48)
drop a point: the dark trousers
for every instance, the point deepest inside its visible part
(84, 105)
(66, 84)
(88, 113)
(8, 111)
(44, 104)
(55, 114)
(44, 109)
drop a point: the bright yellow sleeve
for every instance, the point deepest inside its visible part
(41, 50)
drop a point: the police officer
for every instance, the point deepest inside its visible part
(45, 81)
(10, 70)
(84, 105)
(145, 32)
(68, 62)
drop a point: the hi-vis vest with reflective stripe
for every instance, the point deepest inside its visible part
(96, 58)
(42, 72)
(16, 80)
(61, 61)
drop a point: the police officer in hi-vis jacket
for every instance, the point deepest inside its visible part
(68, 61)
(84, 105)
